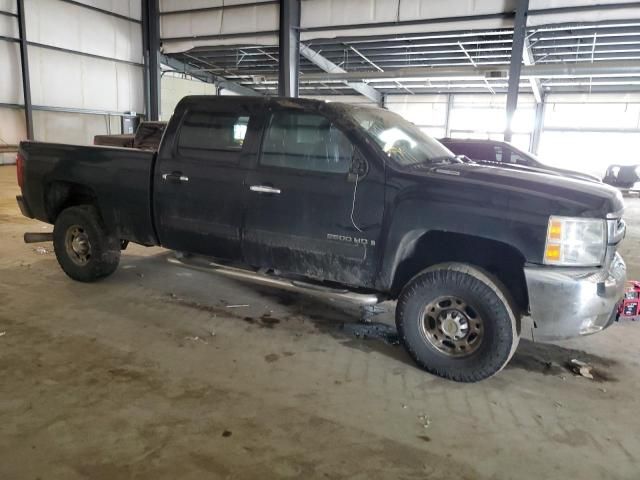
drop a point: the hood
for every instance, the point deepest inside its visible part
(543, 169)
(531, 189)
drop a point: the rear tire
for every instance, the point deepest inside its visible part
(84, 249)
(456, 322)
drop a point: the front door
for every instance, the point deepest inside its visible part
(310, 211)
(199, 194)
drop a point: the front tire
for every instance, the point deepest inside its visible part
(456, 322)
(84, 249)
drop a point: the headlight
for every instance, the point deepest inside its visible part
(578, 242)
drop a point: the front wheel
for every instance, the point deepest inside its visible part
(456, 322)
(84, 249)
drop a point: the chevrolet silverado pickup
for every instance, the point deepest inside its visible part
(348, 199)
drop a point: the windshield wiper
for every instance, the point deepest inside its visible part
(444, 159)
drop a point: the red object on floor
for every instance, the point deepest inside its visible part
(630, 305)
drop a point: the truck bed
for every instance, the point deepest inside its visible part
(118, 178)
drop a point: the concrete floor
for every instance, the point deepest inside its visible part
(150, 374)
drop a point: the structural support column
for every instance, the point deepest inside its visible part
(151, 46)
(519, 34)
(538, 127)
(289, 48)
(24, 59)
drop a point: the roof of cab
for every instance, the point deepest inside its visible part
(198, 100)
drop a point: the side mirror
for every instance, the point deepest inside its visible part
(359, 168)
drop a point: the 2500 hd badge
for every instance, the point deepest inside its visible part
(348, 239)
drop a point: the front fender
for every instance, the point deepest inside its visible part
(413, 218)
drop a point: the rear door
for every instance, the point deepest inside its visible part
(199, 197)
(315, 203)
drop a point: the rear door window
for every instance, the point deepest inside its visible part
(214, 136)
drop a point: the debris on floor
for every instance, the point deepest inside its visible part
(380, 331)
(425, 420)
(196, 339)
(581, 368)
(42, 250)
(237, 306)
(367, 312)
(2, 334)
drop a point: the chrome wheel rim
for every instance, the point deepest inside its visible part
(77, 245)
(452, 326)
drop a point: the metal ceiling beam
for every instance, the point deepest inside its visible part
(603, 68)
(182, 67)
(527, 57)
(331, 68)
(515, 67)
(289, 48)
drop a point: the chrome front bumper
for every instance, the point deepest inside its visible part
(566, 303)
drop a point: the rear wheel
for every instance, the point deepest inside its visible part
(456, 322)
(84, 249)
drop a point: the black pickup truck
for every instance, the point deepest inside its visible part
(347, 199)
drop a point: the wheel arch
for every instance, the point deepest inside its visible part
(424, 250)
(60, 195)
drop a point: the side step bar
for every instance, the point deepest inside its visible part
(205, 265)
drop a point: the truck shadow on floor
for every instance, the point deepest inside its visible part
(341, 320)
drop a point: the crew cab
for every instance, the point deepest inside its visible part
(348, 199)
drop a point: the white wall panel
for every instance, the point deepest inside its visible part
(128, 8)
(173, 89)
(71, 128)
(234, 20)
(173, 5)
(633, 12)
(73, 27)
(12, 131)
(10, 73)
(10, 6)
(247, 20)
(323, 13)
(8, 27)
(12, 126)
(62, 79)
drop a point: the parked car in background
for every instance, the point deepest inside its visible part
(622, 176)
(349, 201)
(504, 153)
(147, 137)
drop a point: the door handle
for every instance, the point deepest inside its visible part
(175, 177)
(264, 189)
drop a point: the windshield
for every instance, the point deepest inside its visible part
(401, 140)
